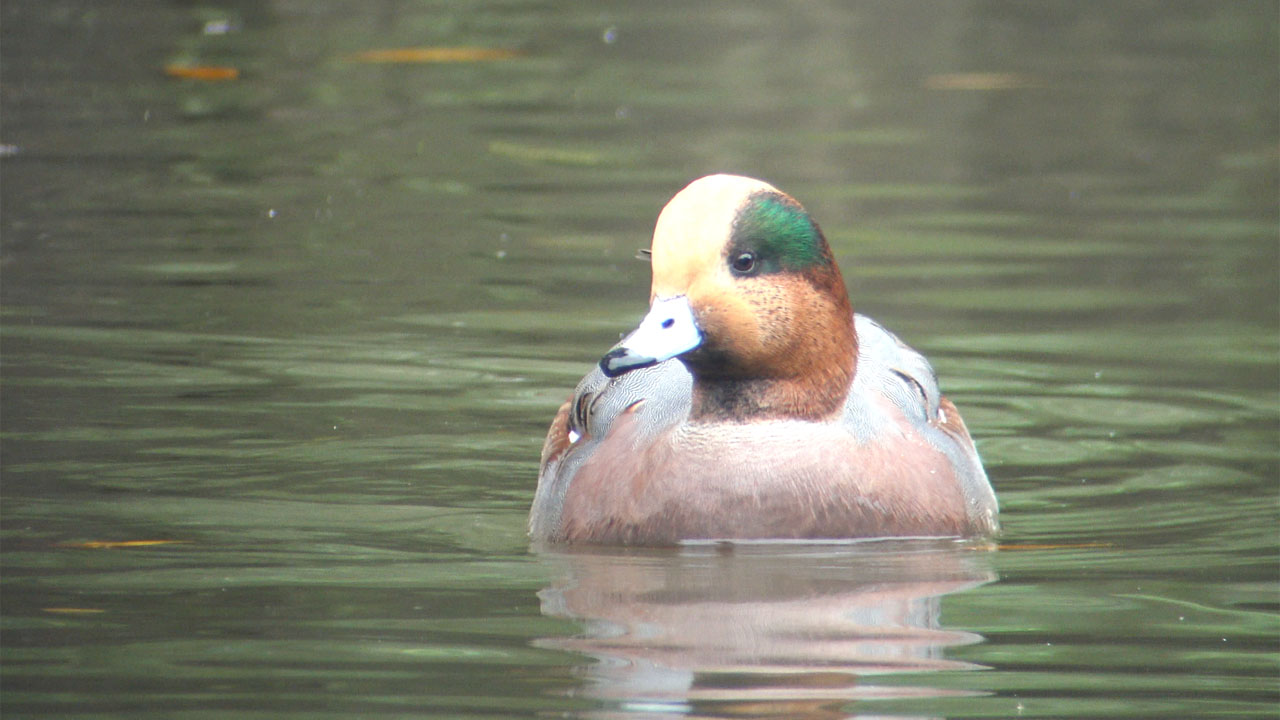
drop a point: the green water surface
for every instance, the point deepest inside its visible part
(308, 326)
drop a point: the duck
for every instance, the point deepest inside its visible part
(753, 404)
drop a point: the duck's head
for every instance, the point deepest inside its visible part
(747, 294)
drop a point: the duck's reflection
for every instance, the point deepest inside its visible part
(747, 630)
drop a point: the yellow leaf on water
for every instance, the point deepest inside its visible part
(1055, 546)
(114, 544)
(207, 73)
(433, 55)
(555, 156)
(73, 610)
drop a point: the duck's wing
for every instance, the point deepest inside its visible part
(907, 378)
(891, 370)
(659, 395)
(655, 397)
(891, 367)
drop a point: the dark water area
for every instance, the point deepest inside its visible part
(278, 352)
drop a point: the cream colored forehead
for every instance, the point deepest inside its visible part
(693, 229)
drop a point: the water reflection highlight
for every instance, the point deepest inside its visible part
(761, 629)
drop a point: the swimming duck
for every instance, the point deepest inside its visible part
(753, 403)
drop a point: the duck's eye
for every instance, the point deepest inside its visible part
(744, 263)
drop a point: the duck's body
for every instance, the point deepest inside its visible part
(752, 403)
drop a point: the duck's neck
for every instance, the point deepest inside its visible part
(813, 384)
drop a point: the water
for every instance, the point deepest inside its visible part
(297, 336)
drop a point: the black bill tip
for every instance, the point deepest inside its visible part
(620, 360)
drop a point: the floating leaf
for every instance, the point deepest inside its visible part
(207, 73)
(433, 55)
(556, 156)
(73, 610)
(114, 544)
(1056, 546)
